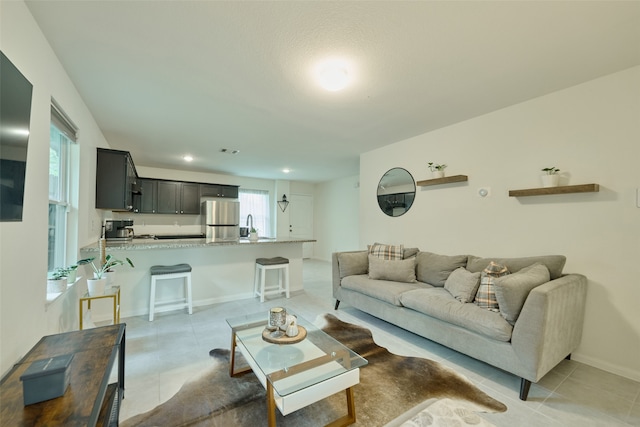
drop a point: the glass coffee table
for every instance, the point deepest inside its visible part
(295, 375)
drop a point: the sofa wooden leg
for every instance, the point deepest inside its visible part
(337, 304)
(524, 388)
(568, 356)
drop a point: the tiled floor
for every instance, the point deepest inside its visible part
(166, 353)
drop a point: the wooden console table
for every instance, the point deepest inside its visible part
(89, 400)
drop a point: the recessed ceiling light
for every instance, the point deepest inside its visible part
(333, 75)
(286, 170)
(187, 158)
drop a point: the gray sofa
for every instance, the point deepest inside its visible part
(539, 325)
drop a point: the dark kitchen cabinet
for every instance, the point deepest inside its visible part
(217, 190)
(147, 200)
(116, 180)
(176, 197)
(190, 198)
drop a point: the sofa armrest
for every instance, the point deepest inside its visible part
(550, 325)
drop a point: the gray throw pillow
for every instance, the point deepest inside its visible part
(463, 284)
(409, 252)
(353, 263)
(399, 270)
(512, 290)
(434, 269)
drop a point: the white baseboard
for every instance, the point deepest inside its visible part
(606, 366)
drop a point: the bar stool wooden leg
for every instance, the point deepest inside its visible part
(263, 274)
(152, 298)
(189, 295)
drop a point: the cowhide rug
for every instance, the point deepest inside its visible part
(389, 386)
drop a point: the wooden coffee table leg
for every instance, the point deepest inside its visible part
(232, 356)
(232, 359)
(350, 418)
(271, 405)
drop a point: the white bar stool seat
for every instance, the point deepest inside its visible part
(262, 266)
(166, 272)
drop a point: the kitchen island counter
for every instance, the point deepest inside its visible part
(144, 244)
(221, 271)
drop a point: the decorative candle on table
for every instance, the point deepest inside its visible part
(277, 319)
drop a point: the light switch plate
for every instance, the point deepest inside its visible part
(638, 197)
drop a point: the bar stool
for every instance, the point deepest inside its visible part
(262, 265)
(166, 272)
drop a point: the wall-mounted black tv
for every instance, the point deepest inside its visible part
(15, 117)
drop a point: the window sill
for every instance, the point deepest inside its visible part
(52, 297)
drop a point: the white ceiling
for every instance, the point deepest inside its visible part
(165, 78)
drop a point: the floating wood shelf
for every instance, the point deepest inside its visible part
(582, 188)
(445, 180)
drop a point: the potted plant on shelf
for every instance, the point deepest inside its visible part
(98, 284)
(253, 234)
(551, 177)
(437, 171)
(57, 281)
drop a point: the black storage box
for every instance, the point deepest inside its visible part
(46, 379)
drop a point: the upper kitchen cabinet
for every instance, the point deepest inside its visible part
(147, 200)
(176, 197)
(116, 180)
(217, 190)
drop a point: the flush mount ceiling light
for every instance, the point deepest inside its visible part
(333, 75)
(187, 158)
(286, 170)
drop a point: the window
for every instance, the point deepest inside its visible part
(256, 203)
(62, 135)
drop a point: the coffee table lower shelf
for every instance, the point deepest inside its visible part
(299, 399)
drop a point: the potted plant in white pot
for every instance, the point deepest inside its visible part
(72, 273)
(253, 234)
(57, 281)
(437, 171)
(97, 284)
(551, 177)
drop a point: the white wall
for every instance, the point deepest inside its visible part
(24, 315)
(592, 133)
(336, 216)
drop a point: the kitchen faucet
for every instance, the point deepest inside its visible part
(250, 217)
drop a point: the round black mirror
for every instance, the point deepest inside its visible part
(396, 192)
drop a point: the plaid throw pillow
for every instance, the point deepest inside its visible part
(486, 295)
(389, 252)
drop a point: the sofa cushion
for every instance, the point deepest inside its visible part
(555, 263)
(350, 263)
(403, 270)
(486, 295)
(462, 284)
(512, 290)
(386, 251)
(383, 290)
(434, 269)
(439, 303)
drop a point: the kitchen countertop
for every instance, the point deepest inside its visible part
(141, 244)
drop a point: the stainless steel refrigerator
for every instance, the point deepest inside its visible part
(221, 220)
